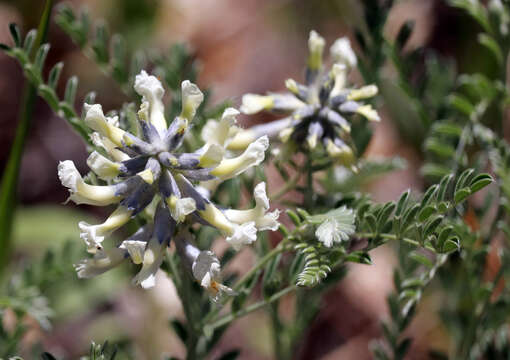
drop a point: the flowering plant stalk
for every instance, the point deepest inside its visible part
(173, 175)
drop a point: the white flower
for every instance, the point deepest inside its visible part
(263, 220)
(341, 52)
(244, 137)
(238, 234)
(180, 207)
(292, 86)
(152, 259)
(100, 263)
(206, 270)
(252, 156)
(212, 155)
(103, 167)
(105, 143)
(192, 97)
(253, 103)
(135, 249)
(152, 91)
(81, 192)
(364, 92)
(244, 234)
(95, 119)
(94, 235)
(368, 112)
(218, 132)
(339, 73)
(316, 45)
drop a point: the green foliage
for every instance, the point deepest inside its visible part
(33, 70)
(410, 284)
(443, 237)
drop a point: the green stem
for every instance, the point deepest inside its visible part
(246, 277)
(263, 261)
(278, 329)
(308, 198)
(10, 177)
(253, 307)
(394, 237)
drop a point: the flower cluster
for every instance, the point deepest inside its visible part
(150, 168)
(318, 112)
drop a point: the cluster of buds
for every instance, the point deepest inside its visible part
(318, 112)
(150, 174)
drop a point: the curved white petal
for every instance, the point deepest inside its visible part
(244, 234)
(253, 103)
(104, 168)
(192, 97)
(252, 156)
(100, 263)
(263, 220)
(342, 52)
(81, 192)
(135, 248)
(152, 259)
(152, 91)
(94, 235)
(95, 119)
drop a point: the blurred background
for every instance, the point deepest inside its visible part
(241, 46)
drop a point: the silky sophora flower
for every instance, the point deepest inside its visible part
(150, 168)
(318, 112)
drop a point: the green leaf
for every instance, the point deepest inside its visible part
(461, 195)
(70, 92)
(462, 104)
(434, 170)
(29, 41)
(404, 33)
(180, 330)
(385, 214)
(54, 76)
(230, 355)
(443, 187)
(432, 225)
(371, 221)
(294, 217)
(409, 216)
(429, 195)
(447, 128)
(100, 43)
(443, 235)
(439, 148)
(491, 44)
(451, 245)
(48, 94)
(16, 36)
(359, 257)
(403, 348)
(463, 179)
(47, 356)
(479, 182)
(269, 278)
(426, 212)
(402, 201)
(40, 57)
(412, 283)
(420, 258)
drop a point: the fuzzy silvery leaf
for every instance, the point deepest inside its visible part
(335, 226)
